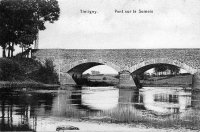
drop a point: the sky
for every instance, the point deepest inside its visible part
(173, 24)
(103, 69)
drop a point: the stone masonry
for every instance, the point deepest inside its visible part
(76, 61)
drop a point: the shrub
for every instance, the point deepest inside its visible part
(10, 70)
(46, 73)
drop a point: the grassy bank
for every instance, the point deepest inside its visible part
(26, 72)
(26, 84)
(179, 80)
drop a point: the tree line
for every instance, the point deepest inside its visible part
(163, 68)
(21, 20)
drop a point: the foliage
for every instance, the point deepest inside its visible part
(164, 67)
(21, 20)
(10, 70)
(28, 64)
(46, 73)
(24, 69)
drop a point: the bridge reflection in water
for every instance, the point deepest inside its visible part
(161, 100)
(100, 98)
(166, 100)
(26, 111)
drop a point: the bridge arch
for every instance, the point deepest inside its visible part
(70, 71)
(82, 65)
(148, 64)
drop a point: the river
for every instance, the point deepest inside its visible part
(44, 110)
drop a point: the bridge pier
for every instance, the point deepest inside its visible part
(65, 78)
(136, 80)
(126, 80)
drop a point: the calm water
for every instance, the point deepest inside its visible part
(44, 110)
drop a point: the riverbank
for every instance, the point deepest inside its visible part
(26, 84)
(179, 80)
(92, 126)
(27, 73)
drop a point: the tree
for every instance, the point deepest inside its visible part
(10, 70)
(21, 20)
(163, 67)
(160, 68)
(3, 40)
(44, 10)
(174, 69)
(47, 73)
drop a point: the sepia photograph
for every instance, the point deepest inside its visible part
(99, 65)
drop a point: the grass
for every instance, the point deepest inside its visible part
(177, 121)
(169, 81)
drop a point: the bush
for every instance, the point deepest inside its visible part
(46, 73)
(10, 70)
(23, 69)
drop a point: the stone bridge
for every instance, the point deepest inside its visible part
(69, 62)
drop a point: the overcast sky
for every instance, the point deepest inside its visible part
(173, 24)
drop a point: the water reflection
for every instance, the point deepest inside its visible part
(159, 100)
(196, 100)
(103, 98)
(100, 98)
(25, 110)
(166, 100)
(19, 109)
